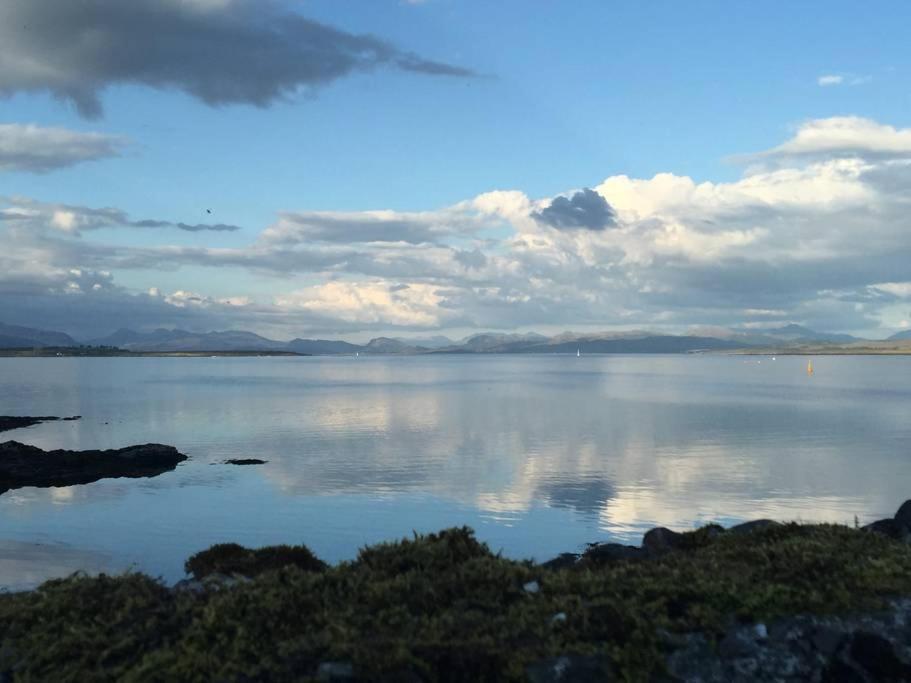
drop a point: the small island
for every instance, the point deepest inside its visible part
(23, 465)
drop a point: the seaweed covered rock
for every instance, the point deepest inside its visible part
(24, 465)
(789, 602)
(440, 551)
(232, 559)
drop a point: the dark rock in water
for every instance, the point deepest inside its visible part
(245, 461)
(661, 540)
(23, 465)
(562, 561)
(890, 528)
(903, 516)
(570, 669)
(755, 525)
(8, 422)
(600, 553)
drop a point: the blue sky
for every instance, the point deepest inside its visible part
(560, 97)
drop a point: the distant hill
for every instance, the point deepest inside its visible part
(435, 342)
(181, 340)
(16, 337)
(900, 336)
(800, 333)
(163, 340)
(323, 347)
(601, 344)
(386, 345)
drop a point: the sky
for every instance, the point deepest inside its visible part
(357, 168)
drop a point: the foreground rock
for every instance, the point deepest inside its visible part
(869, 647)
(8, 422)
(24, 465)
(757, 602)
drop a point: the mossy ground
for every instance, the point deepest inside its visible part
(438, 607)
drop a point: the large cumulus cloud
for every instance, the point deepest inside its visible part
(819, 239)
(219, 51)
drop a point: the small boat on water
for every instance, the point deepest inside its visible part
(578, 352)
(810, 367)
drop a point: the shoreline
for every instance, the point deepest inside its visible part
(755, 601)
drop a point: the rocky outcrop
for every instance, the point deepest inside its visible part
(8, 422)
(864, 648)
(897, 527)
(23, 465)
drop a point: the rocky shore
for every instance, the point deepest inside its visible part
(761, 601)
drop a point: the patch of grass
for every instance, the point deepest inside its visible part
(439, 607)
(231, 558)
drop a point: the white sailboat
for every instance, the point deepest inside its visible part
(578, 352)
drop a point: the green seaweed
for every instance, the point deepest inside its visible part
(231, 558)
(440, 607)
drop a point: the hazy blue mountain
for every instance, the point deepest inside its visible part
(799, 333)
(323, 347)
(435, 342)
(649, 344)
(18, 337)
(124, 338)
(899, 336)
(388, 345)
(181, 340)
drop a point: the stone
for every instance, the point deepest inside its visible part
(890, 528)
(558, 618)
(562, 561)
(840, 672)
(23, 465)
(877, 656)
(754, 525)
(903, 516)
(738, 644)
(611, 552)
(531, 587)
(329, 672)
(190, 586)
(570, 669)
(661, 540)
(245, 461)
(827, 640)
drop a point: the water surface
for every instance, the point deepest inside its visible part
(540, 454)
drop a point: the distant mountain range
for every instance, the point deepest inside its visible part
(15, 337)
(637, 341)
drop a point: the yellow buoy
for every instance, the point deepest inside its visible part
(809, 367)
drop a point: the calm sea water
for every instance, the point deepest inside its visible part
(540, 454)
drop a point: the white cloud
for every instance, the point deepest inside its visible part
(413, 305)
(819, 237)
(842, 136)
(36, 149)
(830, 79)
